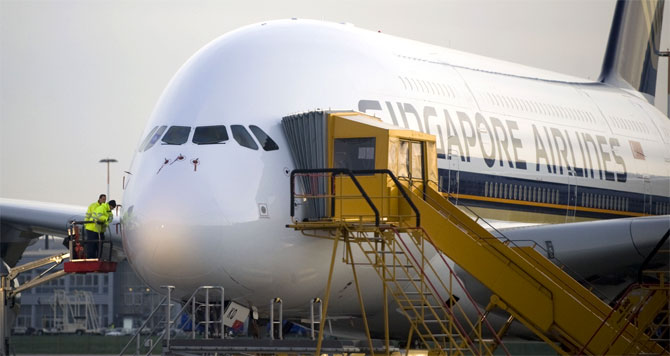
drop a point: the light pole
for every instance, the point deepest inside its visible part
(108, 161)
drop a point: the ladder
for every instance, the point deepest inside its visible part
(402, 259)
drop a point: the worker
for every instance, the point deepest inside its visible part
(88, 226)
(91, 229)
(101, 217)
(91, 208)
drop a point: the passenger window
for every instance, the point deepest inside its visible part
(176, 135)
(354, 153)
(152, 138)
(241, 135)
(207, 135)
(266, 142)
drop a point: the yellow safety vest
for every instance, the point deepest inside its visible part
(89, 216)
(102, 216)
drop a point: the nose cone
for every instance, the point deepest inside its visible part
(182, 227)
(167, 233)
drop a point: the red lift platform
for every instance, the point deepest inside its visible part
(89, 266)
(78, 262)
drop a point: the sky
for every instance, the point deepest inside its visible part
(79, 79)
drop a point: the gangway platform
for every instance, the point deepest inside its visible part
(375, 186)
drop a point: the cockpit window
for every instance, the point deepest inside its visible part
(176, 135)
(266, 142)
(241, 135)
(147, 138)
(207, 135)
(152, 138)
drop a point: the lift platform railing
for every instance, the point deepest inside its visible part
(81, 263)
(77, 243)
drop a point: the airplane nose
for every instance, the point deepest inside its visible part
(186, 227)
(167, 233)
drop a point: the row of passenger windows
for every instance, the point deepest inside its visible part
(600, 201)
(208, 135)
(541, 108)
(631, 125)
(662, 208)
(521, 192)
(427, 86)
(551, 196)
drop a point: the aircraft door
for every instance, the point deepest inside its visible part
(571, 210)
(453, 174)
(647, 195)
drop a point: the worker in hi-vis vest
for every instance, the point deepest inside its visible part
(91, 208)
(95, 231)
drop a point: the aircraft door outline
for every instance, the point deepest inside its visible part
(453, 173)
(571, 210)
(646, 207)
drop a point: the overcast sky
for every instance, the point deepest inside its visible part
(79, 79)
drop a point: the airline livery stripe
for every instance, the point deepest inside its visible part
(542, 205)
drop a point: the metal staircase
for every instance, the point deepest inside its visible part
(205, 311)
(401, 258)
(528, 286)
(392, 222)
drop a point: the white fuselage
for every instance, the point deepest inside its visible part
(551, 148)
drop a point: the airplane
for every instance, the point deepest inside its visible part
(583, 165)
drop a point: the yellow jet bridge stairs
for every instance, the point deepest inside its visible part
(378, 193)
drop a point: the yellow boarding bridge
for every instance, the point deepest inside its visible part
(373, 187)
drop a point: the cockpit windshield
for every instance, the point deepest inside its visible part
(207, 135)
(242, 136)
(152, 138)
(176, 135)
(266, 142)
